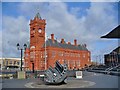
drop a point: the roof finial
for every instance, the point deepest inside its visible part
(38, 9)
(38, 15)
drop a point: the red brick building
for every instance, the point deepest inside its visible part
(41, 54)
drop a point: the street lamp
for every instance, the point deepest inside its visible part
(19, 48)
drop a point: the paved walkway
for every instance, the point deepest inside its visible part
(91, 80)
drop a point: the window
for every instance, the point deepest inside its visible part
(3, 62)
(27, 55)
(14, 62)
(33, 28)
(60, 53)
(78, 63)
(32, 54)
(53, 53)
(88, 54)
(32, 36)
(76, 55)
(84, 55)
(6, 62)
(41, 54)
(88, 59)
(10, 62)
(45, 54)
(26, 63)
(18, 63)
(73, 55)
(74, 63)
(67, 54)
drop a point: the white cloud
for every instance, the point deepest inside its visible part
(99, 19)
(15, 30)
(76, 11)
(87, 29)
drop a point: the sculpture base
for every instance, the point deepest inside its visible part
(72, 83)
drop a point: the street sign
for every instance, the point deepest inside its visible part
(79, 74)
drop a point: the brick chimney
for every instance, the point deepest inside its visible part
(69, 43)
(62, 41)
(85, 45)
(75, 42)
(52, 37)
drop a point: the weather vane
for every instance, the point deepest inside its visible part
(38, 9)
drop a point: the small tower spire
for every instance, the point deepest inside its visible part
(38, 15)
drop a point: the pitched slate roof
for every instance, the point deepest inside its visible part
(49, 42)
(117, 50)
(115, 33)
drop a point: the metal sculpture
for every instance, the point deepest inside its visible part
(56, 75)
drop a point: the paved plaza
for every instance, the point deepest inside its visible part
(71, 83)
(91, 80)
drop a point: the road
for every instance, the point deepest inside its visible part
(101, 81)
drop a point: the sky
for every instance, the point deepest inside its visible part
(84, 21)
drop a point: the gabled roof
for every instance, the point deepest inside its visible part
(115, 33)
(49, 42)
(117, 50)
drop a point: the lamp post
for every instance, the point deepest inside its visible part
(19, 48)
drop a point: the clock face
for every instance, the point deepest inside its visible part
(39, 30)
(32, 47)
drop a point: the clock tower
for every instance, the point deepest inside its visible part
(37, 40)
